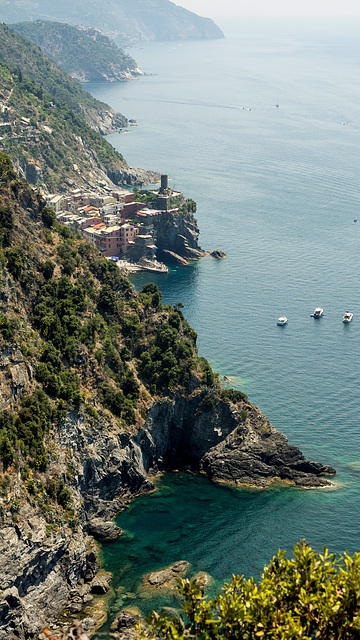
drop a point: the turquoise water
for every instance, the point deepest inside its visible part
(278, 190)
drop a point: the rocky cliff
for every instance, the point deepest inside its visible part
(100, 387)
(84, 53)
(177, 236)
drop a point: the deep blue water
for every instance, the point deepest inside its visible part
(278, 190)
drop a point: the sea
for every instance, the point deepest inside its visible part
(262, 130)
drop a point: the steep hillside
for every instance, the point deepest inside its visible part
(84, 53)
(53, 147)
(48, 142)
(99, 387)
(19, 52)
(126, 21)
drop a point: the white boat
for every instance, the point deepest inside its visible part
(348, 316)
(317, 313)
(281, 321)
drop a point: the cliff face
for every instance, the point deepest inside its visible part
(177, 235)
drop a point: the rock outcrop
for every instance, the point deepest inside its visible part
(179, 234)
(38, 571)
(218, 254)
(133, 176)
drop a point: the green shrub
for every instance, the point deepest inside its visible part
(91, 411)
(233, 395)
(47, 269)
(6, 225)
(48, 217)
(313, 596)
(6, 328)
(15, 261)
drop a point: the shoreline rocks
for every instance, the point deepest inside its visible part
(104, 530)
(231, 442)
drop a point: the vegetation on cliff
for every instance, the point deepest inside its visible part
(89, 339)
(18, 52)
(84, 53)
(52, 145)
(99, 385)
(311, 596)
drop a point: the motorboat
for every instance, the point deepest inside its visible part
(317, 313)
(281, 321)
(348, 316)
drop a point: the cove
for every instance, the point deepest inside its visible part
(219, 529)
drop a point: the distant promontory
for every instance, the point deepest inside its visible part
(125, 21)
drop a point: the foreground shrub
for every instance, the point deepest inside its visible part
(311, 596)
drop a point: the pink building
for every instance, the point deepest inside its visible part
(113, 241)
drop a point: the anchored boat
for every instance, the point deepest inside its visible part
(317, 313)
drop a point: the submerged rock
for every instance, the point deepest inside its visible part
(218, 254)
(168, 575)
(126, 619)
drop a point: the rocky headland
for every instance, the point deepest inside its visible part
(100, 388)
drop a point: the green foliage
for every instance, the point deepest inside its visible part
(47, 269)
(171, 358)
(15, 261)
(208, 376)
(6, 450)
(146, 197)
(25, 429)
(57, 491)
(6, 223)
(118, 403)
(312, 596)
(48, 216)
(84, 53)
(91, 411)
(150, 296)
(233, 395)
(6, 328)
(7, 172)
(216, 394)
(189, 206)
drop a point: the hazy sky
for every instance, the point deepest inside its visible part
(217, 8)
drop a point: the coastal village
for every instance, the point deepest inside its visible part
(119, 224)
